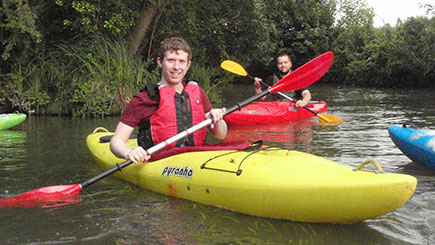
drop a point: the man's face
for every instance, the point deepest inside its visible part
(284, 64)
(174, 66)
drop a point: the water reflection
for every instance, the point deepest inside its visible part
(134, 216)
(288, 134)
(11, 144)
(213, 224)
(11, 152)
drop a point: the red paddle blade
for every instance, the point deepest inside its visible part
(305, 75)
(50, 196)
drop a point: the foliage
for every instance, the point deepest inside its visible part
(106, 77)
(96, 77)
(18, 21)
(69, 56)
(398, 56)
(24, 89)
(303, 27)
(92, 78)
(388, 56)
(352, 31)
(216, 30)
(411, 63)
(100, 17)
(210, 80)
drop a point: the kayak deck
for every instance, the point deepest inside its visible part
(267, 112)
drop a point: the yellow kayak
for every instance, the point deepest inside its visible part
(267, 182)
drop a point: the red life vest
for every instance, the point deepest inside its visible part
(176, 113)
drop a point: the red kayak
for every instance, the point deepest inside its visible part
(267, 112)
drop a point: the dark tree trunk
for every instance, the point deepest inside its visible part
(141, 27)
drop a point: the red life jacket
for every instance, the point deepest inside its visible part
(176, 113)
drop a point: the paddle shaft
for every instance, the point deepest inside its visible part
(283, 95)
(291, 99)
(173, 139)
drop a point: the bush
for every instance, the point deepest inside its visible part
(91, 78)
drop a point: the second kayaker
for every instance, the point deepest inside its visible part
(284, 64)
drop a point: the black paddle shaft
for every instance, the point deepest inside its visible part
(106, 173)
(239, 105)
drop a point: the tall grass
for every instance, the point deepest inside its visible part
(23, 89)
(92, 78)
(105, 77)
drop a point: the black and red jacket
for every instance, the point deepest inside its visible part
(176, 113)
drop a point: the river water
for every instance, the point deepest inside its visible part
(46, 151)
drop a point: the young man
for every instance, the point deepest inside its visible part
(284, 63)
(168, 109)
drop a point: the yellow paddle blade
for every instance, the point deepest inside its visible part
(329, 118)
(233, 67)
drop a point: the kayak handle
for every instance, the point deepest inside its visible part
(377, 165)
(100, 129)
(409, 125)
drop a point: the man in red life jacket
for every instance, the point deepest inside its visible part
(179, 105)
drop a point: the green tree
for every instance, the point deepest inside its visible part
(353, 30)
(412, 62)
(216, 30)
(303, 27)
(19, 33)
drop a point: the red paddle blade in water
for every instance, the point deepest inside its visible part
(50, 196)
(305, 75)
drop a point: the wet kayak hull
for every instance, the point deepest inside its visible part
(416, 144)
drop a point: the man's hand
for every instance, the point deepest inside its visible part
(257, 82)
(138, 155)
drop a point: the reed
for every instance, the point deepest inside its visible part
(105, 77)
(90, 78)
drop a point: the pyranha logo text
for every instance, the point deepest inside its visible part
(185, 172)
